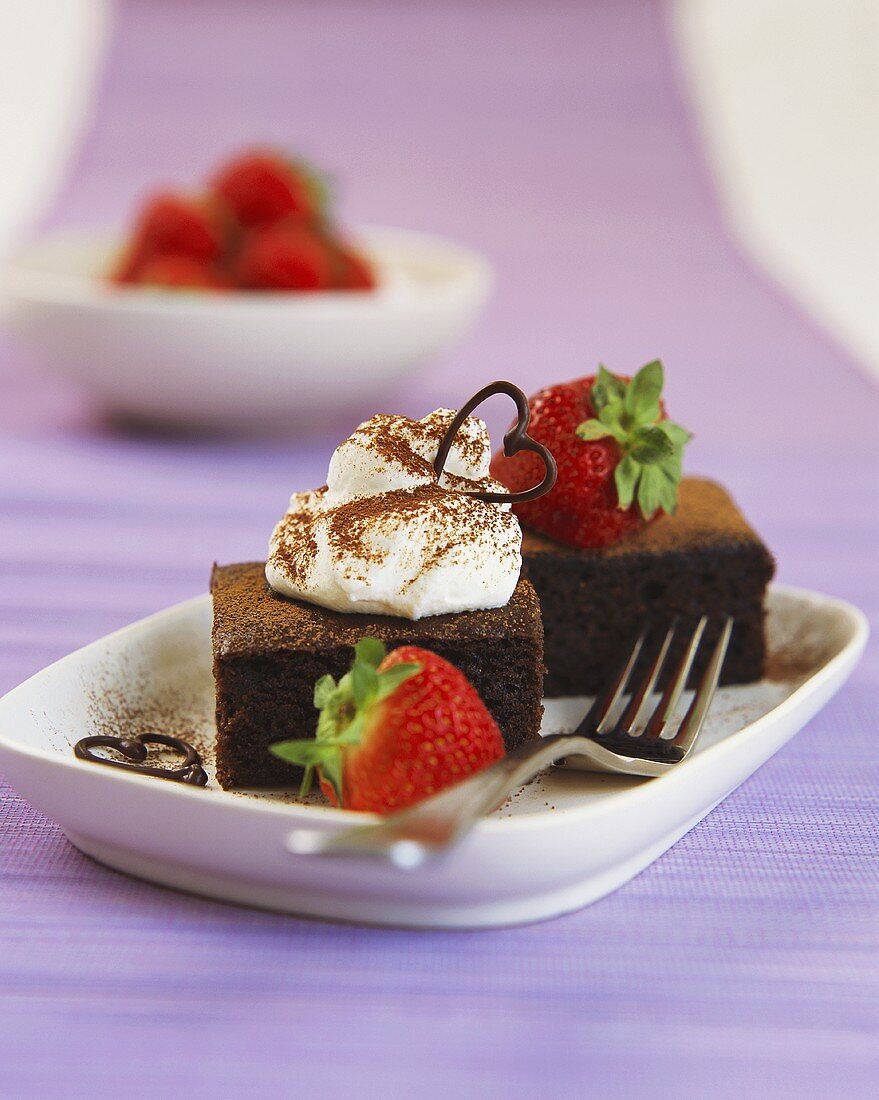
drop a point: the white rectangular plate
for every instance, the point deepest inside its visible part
(565, 840)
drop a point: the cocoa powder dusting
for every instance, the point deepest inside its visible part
(469, 446)
(295, 546)
(359, 530)
(352, 527)
(387, 440)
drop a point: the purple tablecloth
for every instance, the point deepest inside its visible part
(555, 137)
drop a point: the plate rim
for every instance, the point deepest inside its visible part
(323, 816)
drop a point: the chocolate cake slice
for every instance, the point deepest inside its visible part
(704, 559)
(270, 650)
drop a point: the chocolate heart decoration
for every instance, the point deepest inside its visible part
(135, 751)
(517, 439)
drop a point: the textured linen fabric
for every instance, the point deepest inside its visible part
(555, 137)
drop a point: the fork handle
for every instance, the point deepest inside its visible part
(408, 837)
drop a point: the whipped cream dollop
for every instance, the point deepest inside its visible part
(387, 536)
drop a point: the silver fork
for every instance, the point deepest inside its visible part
(609, 739)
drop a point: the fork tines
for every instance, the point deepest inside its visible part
(618, 725)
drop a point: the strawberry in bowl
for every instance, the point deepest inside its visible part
(264, 186)
(264, 223)
(240, 306)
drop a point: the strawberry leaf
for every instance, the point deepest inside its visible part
(593, 429)
(323, 689)
(610, 418)
(391, 678)
(326, 724)
(671, 469)
(331, 770)
(626, 478)
(304, 751)
(643, 393)
(678, 435)
(649, 491)
(371, 651)
(649, 470)
(308, 754)
(668, 492)
(650, 445)
(352, 734)
(607, 388)
(364, 683)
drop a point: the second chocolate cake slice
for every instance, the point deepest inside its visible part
(703, 560)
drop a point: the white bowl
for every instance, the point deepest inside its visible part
(241, 360)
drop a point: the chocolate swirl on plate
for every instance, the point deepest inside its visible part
(136, 754)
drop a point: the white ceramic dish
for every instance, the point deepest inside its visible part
(241, 360)
(567, 839)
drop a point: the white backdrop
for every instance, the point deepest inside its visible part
(50, 52)
(787, 92)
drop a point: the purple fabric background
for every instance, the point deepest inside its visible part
(555, 137)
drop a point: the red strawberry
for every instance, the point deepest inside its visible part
(394, 730)
(284, 256)
(262, 186)
(351, 271)
(171, 224)
(182, 273)
(619, 459)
